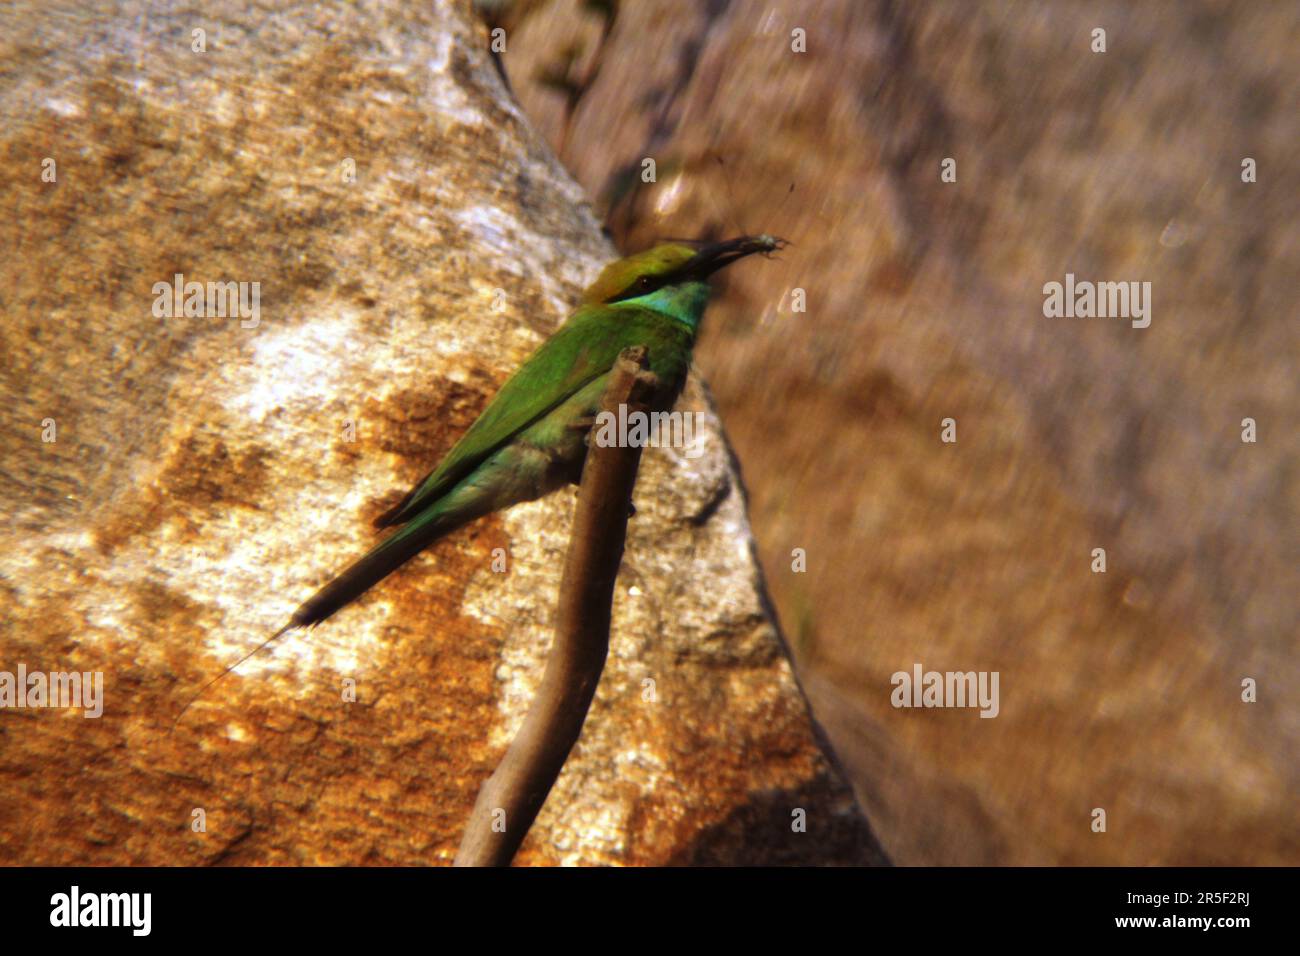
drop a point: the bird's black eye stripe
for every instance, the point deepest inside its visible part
(641, 286)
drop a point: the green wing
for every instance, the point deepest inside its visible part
(582, 350)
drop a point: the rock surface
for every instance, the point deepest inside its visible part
(1122, 690)
(413, 241)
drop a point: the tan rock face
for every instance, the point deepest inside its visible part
(1120, 691)
(412, 242)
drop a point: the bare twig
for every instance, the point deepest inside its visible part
(509, 801)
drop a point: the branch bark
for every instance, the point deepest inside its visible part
(510, 799)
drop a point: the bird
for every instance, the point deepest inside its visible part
(531, 438)
(529, 441)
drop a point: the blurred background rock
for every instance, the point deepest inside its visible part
(1120, 690)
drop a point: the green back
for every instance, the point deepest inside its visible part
(582, 350)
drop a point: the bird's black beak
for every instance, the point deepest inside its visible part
(716, 255)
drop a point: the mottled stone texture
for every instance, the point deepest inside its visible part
(205, 479)
(1120, 690)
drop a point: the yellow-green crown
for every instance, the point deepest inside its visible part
(619, 277)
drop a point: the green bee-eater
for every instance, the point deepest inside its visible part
(530, 440)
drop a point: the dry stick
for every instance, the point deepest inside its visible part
(519, 786)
